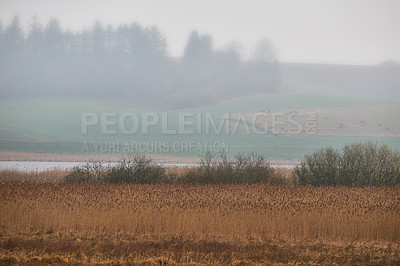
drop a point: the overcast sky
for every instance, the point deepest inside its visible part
(328, 31)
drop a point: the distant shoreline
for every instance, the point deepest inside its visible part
(25, 156)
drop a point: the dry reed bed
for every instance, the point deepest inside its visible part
(55, 175)
(72, 223)
(222, 212)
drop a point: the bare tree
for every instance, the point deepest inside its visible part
(264, 52)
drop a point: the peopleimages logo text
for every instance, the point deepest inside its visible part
(196, 123)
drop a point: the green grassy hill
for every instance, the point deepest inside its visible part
(54, 125)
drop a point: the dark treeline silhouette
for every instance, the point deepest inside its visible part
(129, 61)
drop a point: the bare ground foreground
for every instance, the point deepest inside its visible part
(56, 223)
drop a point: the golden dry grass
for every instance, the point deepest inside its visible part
(55, 175)
(198, 223)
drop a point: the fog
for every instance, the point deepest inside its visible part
(327, 69)
(133, 61)
(310, 31)
(129, 61)
(180, 54)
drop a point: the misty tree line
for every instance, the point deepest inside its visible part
(129, 61)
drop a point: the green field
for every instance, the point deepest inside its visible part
(54, 125)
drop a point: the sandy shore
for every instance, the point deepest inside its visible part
(23, 156)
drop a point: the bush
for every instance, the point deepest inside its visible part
(134, 168)
(91, 172)
(250, 169)
(138, 169)
(359, 164)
